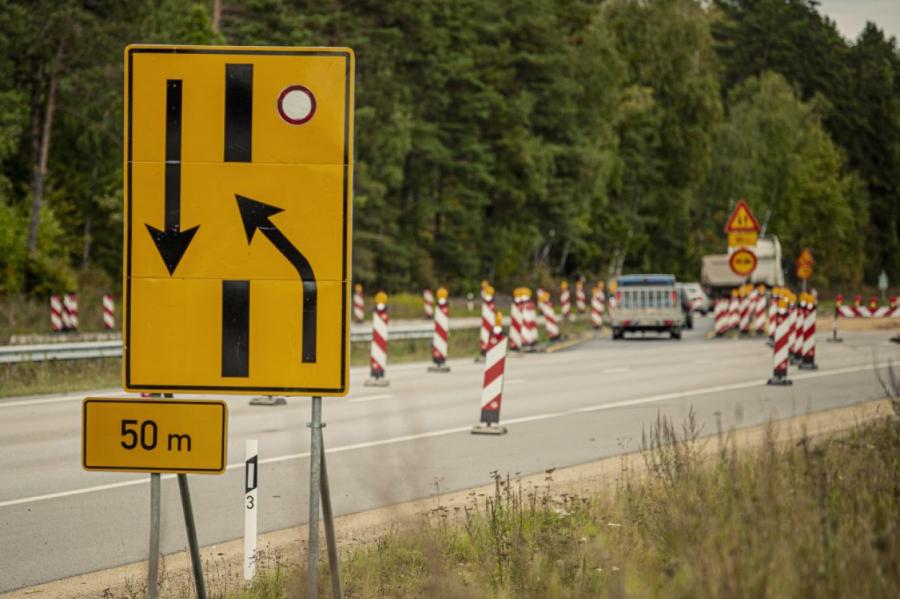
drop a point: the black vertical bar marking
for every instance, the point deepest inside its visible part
(173, 155)
(238, 112)
(236, 328)
(250, 469)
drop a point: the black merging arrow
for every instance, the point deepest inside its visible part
(172, 243)
(255, 215)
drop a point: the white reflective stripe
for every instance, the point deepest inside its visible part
(881, 312)
(379, 356)
(496, 353)
(846, 312)
(108, 303)
(440, 345)
(492, 391)
(442, 319)
(380, 326)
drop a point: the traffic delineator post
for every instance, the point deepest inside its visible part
(838, 304)
(378, 357)
(808, 361)
(798, 309)
(516, 332)
(759, 319)
(251, 507)
(780, 355)
(492, 385)
(440, 342)
(56, 314)
(720, 317)
(545, 302)
(580, 298)
(773, 311)
(359, 304)
(748, 298)
(734, 310)
(565, 301)
(109, 313)
(70, 312)
(529, 322)
(488, 309)
(428, 303)
(597, 308)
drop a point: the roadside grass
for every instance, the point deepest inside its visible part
(54, 376)
(807, 519)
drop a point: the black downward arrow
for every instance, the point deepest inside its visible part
(255, 215)
(172, 242)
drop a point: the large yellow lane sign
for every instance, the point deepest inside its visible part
(154, 435)
(238, 184)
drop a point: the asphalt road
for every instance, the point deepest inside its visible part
(387, 445)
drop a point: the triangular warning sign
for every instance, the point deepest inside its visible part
(742, 220)
(805, 258)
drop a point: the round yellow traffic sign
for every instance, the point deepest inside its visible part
(742, 262)
(804, 271)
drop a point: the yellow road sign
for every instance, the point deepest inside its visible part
(154, 435)
(805, 258)
(742, 262)
(804, 271)
(742, 238)
(742, 219)
(238, 194)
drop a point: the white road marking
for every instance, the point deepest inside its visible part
(370, 398)
(450, 431)
(615, 370)
(37, 402)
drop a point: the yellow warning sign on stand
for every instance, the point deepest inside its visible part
(237, 219)
(742, 219)
(154, 435)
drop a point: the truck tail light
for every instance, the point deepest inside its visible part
(625, 323)
(667, 323)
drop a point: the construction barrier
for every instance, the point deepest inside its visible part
(580, 298)
(428, 303)
(529, 322)
(545, 303)
(798, 307)
(597, 308)
(748, 299)
(378, 358)
(440, 343)
(492, 385)
(70, 312)
(359, 304)
(565, 301)
(56, 314)
(773, 311)
(734, 310)
(780, 349)
(720, 317)
(516, 321)
(872, 310)
(759, 319)
(109, 313)
(808, 361)
(488, 310)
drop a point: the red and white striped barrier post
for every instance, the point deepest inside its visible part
(529, 322)
(748, 298)
(492, 385)
(70, 312)
(428, 303)
(798, 309)
(580, 297)
(109, 313)
(565, 301)
(56, 313)
(440, 343)
(488, 310)
(550, 325)
(780, 355)
(773, 312)
(838, 304)
(759, 319)
(597, 308)
(720, 316)
(808, 361)
(359, 304)
(734, 310)
(613, 295)
(516, 324)
(378, 357)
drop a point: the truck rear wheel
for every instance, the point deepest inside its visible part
(675, 333)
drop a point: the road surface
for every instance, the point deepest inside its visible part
(387, 445)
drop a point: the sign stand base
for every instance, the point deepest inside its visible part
(318, 485)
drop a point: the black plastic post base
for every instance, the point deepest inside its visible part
(779, 381)
(808, 366)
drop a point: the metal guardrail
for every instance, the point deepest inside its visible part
(113, 348)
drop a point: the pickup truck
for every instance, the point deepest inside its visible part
(647, 303)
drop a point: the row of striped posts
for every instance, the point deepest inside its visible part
(64, 313)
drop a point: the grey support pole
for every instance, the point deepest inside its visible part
(315, 464)
(192, 535)
(328, 516)
(153, 572)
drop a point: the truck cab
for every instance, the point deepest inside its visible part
(647, 303)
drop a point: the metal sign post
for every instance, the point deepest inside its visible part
(318, 484)
(153, 573)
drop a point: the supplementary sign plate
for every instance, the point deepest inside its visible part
(154, 435)
(742, 262)
(742, 239)
(238, 182)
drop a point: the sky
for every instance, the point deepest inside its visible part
(851, 15)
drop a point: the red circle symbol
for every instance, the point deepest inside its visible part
(296, 104)
(742, 262)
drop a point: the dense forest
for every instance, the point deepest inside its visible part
(501, 139)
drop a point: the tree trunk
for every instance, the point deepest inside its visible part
(217, 16)
(41, 143)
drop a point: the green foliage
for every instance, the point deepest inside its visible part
(515, 140)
